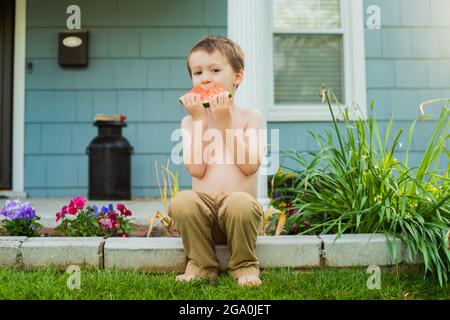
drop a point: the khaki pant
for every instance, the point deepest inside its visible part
(205, 219)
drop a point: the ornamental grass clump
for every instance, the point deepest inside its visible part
(80, 220)
(20, 219)
(170, 182)
(355, 184)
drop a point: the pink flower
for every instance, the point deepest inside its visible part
(79, 202)
(123, 210)
(72, 210)
(59, 215)
(124, 235)
(106, 224)
(113, 216)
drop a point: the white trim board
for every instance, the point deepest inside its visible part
(19, 98)
(354, 74)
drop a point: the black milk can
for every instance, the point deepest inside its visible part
(109, 163)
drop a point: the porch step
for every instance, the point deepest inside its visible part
(11, 195)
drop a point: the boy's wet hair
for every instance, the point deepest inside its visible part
(225, 46)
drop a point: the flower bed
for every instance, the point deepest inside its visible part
(75, 219)
(79, 219)
(137, 230)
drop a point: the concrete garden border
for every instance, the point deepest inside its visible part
(167, 254)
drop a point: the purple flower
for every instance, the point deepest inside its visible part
(96, 213)
(275, 196)
(18, 210)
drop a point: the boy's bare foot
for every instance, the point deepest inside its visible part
(249, 280)
(185, 277)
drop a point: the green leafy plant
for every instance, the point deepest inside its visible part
(354, 184)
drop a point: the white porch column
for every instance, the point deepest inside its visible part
(250, 26)
(18, 176)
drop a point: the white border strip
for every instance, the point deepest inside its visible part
(19, 97)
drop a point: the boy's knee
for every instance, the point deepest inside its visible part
(182, 204)
(243, 205)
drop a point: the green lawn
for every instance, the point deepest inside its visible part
(399, 282)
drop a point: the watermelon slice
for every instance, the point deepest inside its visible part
(205, 94)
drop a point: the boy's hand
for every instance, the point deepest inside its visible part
(220, 109)
(193, 104)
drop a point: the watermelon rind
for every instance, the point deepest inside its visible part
(206, 102)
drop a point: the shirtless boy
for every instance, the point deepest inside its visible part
(222, 205)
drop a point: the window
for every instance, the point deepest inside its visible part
(317, 42)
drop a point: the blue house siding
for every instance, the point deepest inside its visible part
(407, 62)
(136, 67)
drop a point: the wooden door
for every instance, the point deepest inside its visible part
(7, 9)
